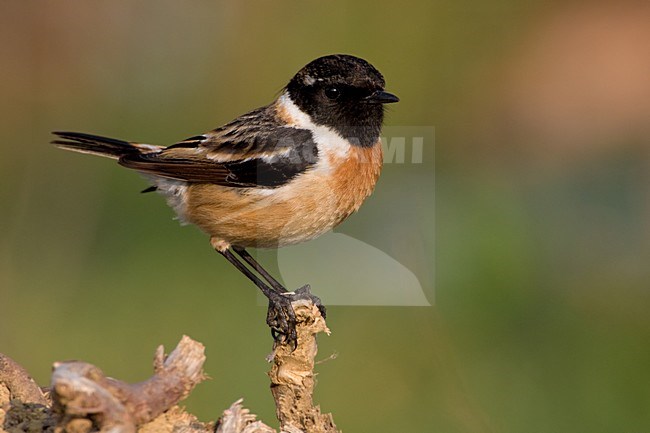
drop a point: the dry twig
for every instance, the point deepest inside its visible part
(80, 391)
(85, 400)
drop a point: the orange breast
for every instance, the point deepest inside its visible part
(355, 177)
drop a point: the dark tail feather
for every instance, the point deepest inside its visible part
(94, 144)
(150, 189)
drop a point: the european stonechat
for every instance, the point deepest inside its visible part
(278, 175)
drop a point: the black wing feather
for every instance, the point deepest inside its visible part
(297, 153)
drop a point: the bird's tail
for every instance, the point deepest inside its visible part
(102, 146)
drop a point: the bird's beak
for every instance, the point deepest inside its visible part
(381, 97)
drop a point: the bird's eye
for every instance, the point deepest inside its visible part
(332, 92)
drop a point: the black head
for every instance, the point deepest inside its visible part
(345, 93)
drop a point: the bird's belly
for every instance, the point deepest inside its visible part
(265, 218)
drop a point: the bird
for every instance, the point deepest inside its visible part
(278, 175)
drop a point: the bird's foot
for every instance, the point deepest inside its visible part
(281, 317)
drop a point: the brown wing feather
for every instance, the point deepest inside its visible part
(255, 149)
(251, 135)
(181, 169)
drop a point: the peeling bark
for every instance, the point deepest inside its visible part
(292, 376)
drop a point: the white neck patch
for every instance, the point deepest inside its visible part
(327, 140)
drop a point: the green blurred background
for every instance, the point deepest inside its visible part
(542, 204)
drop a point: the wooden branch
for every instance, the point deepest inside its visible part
(85, 400)
(292, 376)
(81, 392)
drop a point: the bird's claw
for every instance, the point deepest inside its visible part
(281, 317)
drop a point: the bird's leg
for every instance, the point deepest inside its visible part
(280, 317)
(301, 293)
(266, 290)
(260, 270)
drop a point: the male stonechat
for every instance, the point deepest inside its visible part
(278, 175)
